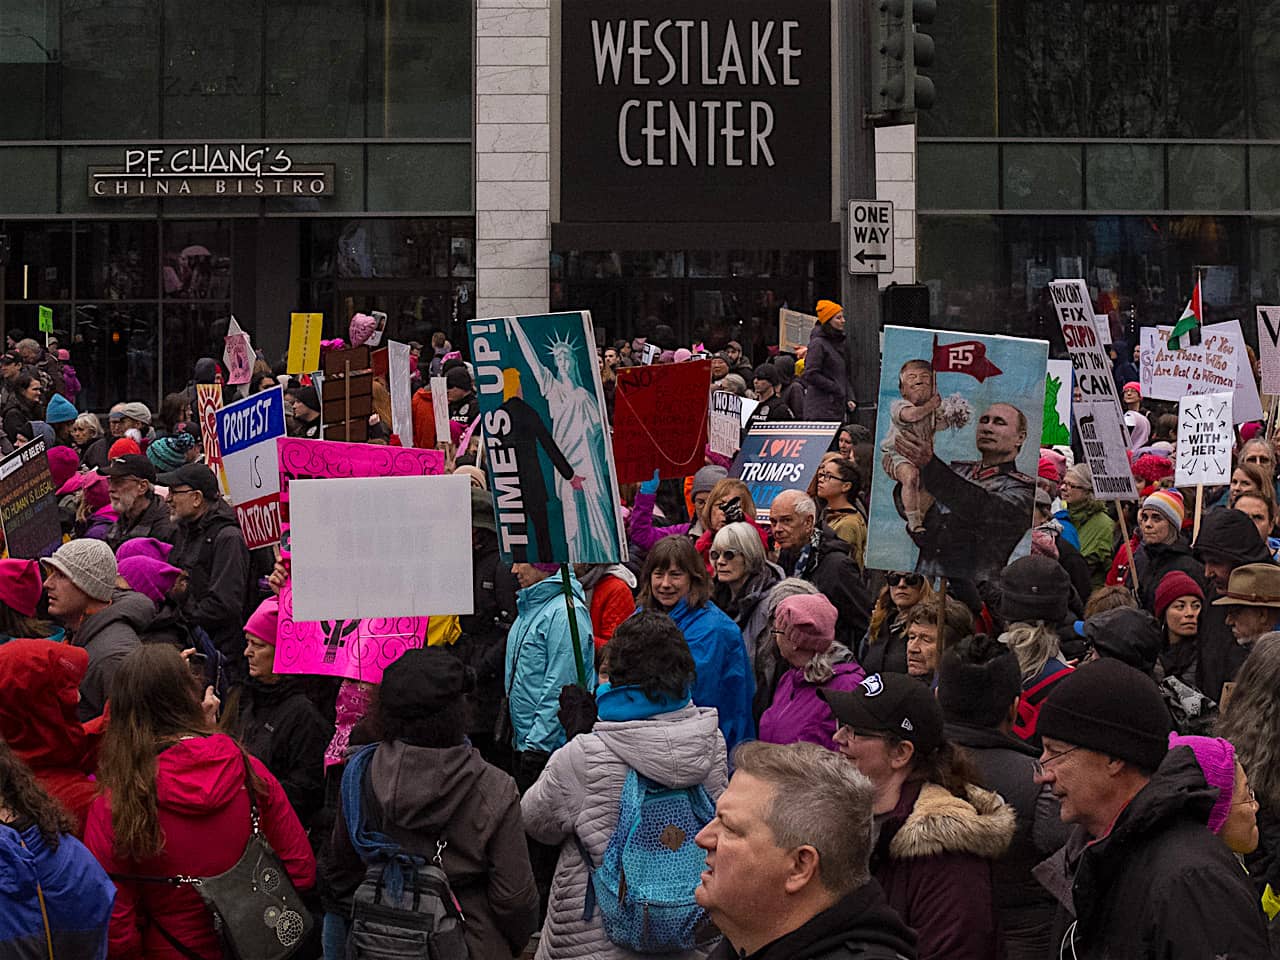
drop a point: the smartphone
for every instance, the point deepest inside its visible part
(198, 663)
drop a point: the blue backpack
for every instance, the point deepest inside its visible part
(645, 882)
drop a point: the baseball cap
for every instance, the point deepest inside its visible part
(10, 357)
(890, 703)
(197, 476)
(131, 465)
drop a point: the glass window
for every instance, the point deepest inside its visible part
(115, 345)
(110, 70)
(315, 73)
(42, 253)
(391, 249)
(1042, 176)
(1125, 176)
(1263, 52)
(30, 178)
(420, 177)
(943, 187)
(420, 67)
(964, 71)
(1205, 177)
(28, 67)
(192, 331)
(1264, 178)
(116, 260)
(348, 180)
(197, 260)
(213, 82)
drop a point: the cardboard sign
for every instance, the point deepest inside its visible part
(1205, 438)
(208, 403)
(649, 355)
(1217, 364)
(793, 330)
(401, 390)
(953, 481)
(660, 420)
(547, 445)
(28, 506)
(408, 558)
(1102, 323)
(1269, 348)
(304, 342)
(440, 408)
(247, 434)
(346, 394)
(1098, 415)
(237, 355)
(380, 327)
(44, 322)
(781, 456)
(724, 423)
(1056, 429)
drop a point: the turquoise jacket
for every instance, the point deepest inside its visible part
(540, 661)
(725, 680)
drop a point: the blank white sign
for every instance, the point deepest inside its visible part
(380, 547)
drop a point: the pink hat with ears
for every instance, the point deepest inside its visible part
(361, 329)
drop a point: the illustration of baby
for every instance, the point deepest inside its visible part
(915, 414)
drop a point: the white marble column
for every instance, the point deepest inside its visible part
(513, 156)
(896, 181)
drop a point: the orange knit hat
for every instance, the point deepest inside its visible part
(828, 309)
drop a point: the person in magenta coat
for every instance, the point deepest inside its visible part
(804, 629)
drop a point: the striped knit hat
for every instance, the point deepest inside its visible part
(1169, 503)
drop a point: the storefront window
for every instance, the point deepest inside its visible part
(302, 101)
(197, 260)
(116, 260)
(39, 262)
(213, 82)
(109, 70)
(419, 73)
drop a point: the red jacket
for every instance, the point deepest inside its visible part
(204, 813)
(39, 693)
(611, 602)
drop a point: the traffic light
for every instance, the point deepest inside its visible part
(898, 51)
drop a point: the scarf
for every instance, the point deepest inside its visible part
(632, 703)
(808, 557)
(372, 845)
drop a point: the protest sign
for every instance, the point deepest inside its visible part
(794, 329)
(546, 435)
(408, 564)
(237, 355)
(208, 403)
(346, 394)
(781, 456)
(440, 408)
(304, 342)
(957, 451)
(1218, 363)
(28, 506)
(1205, 438)
(247, 433)
(1056, 429)
(1269, 349)
(44, 321)
(401, 390)
(650, 353)
(1102, 323)
(724, 423)
(1098, 415)
(379, 328)
(660, 420)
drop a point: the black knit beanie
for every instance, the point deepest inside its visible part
(1034, 588)
(1111, 708)
(423, 682)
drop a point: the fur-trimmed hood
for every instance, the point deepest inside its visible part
(940, 823)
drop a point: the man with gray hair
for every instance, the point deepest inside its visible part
(811, 551)
(788, 861)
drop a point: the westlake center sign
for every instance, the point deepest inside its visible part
(702, 111)
(210, 170)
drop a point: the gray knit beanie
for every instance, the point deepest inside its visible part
(89, 564)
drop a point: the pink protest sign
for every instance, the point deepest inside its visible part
(355, 649)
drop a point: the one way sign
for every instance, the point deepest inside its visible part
(871, 236)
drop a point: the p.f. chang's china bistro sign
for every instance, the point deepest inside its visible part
(210, 170)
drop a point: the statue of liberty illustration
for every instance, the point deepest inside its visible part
(579, 433)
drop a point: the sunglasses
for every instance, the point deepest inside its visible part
(727, 554)
(904, 579)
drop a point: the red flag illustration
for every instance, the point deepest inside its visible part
(967, 356)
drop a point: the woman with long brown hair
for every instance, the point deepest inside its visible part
(884, 650)
(175, 802)
(56, 899)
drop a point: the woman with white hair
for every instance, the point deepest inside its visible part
(85, 430)
(743, 578)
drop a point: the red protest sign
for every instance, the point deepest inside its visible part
(660, 419)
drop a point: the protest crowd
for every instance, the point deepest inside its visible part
(730, 674)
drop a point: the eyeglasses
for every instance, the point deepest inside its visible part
(846, 732)
(1074, 486)
(904, 579)
(173, 491)
(1042, 765)
(1250, 798)
(823, 475)
(728, 555)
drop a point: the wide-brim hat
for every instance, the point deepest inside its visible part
(1253, 585)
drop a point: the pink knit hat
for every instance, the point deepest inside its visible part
(265, 621)
(1217, 758)
(808, 620)
(144, 547)
(20, 585)
(150, 577)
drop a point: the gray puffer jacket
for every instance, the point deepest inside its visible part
(578, 792)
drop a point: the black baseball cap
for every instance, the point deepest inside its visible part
(197, 476)
(131, 465)
(896, 704)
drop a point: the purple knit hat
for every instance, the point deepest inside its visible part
(144, 547)
(1217, 758)
(150, 577)
(546, 567)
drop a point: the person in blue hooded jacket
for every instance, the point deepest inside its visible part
(539, 664)
(55, 899)
(675, 582)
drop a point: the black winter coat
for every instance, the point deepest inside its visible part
(280, 726)
(826, 375)
(1159, 886)
(212, 551)
(888, 652)
(1154, 560)
(833, 571)
(1219, 654)
(483, 643)
(154, 522)
(860, 926)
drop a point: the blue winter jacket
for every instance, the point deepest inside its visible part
(540, 661)
(725, 680)
(77, 894)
